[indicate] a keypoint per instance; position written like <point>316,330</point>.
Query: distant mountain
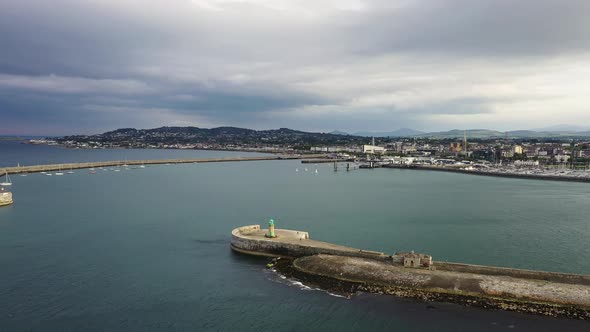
<point>472,133</point>
<point>486,133</point>
<point>563,128</point>
<point>402,132</point>
<point>338,132</point>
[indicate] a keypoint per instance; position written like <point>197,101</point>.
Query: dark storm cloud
<point>80,65</point>
<point>483,27</point>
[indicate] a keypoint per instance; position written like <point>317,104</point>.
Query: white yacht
<point>7,181</point>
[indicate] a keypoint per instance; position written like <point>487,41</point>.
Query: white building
<point>372,149</point>
<point>526,163</point>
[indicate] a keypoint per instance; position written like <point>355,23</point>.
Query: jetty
<point>345,269</point>
<point>115,163</point>
<point>484,172</point>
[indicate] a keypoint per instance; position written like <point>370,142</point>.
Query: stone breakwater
<point>349,270</point>
<point>550,177</point>
<point>115,163</point>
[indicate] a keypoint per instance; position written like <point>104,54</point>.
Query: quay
<point>323,161</point>
<point>67,166</point>
<point>548,177</point>
<point>349,270</point>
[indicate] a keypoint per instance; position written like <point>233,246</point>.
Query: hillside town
<point>477,152</point>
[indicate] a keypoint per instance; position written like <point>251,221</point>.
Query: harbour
<point>103,252</point>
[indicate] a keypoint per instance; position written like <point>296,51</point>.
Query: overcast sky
<point>87,66</point>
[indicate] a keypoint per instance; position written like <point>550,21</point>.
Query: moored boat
<point>7,181</point>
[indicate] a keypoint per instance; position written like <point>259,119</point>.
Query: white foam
<point>298,284</point>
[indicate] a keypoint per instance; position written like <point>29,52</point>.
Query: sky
<point>88,66</point>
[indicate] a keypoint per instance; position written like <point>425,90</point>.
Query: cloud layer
<point>70,66</point>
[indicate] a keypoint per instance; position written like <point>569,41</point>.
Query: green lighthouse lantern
<point>271,228</point>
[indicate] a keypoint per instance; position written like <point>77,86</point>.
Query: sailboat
<point>70,171</point>
<point>21,170</point>
<point>7,181</point>
<point>59,172</point>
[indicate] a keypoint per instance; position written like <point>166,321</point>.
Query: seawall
<point>484,173</point>
<point>338,273</point>
<point>67,166</point>
<point>289,243</point>
<point>346,269</point>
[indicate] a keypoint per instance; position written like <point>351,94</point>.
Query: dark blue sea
<point>148,249</point>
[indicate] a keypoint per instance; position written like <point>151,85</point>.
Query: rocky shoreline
<point>340,285</point>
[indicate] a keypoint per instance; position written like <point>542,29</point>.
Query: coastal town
<point>552,156</point>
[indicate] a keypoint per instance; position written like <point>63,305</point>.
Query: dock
<point>323,161</point>
<point>547,177</point>
<point>115,163</point>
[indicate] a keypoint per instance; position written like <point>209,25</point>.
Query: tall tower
<point>373,141</point>
<point>465,141</point>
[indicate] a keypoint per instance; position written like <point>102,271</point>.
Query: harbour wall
<point>67,166</point>
<point>563,278</point>
<point>483,173</point>
<point>248,240</point>
<point>286,247</point>
<point>346,269</point>
<point>349,274</point>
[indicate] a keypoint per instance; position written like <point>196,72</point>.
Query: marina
<point>532,174</point>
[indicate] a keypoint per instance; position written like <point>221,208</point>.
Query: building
<point>456,147</point>
<point>517,149</point>
<point>526,163</point>
<point>507,153</point>
<point>562,158</point>
<point>411,259</point>
<point>372,149</point>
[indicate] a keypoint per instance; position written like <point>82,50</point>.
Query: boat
<point>141,166</point>
<point>70,171</point>
<point>59,172</point>
<point>7,181</point>
<point>5,197</point>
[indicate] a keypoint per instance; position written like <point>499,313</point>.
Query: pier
<point>67,166</point>
<point>349,270</point>
<point>548,177</point>
<point>252,240</point>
